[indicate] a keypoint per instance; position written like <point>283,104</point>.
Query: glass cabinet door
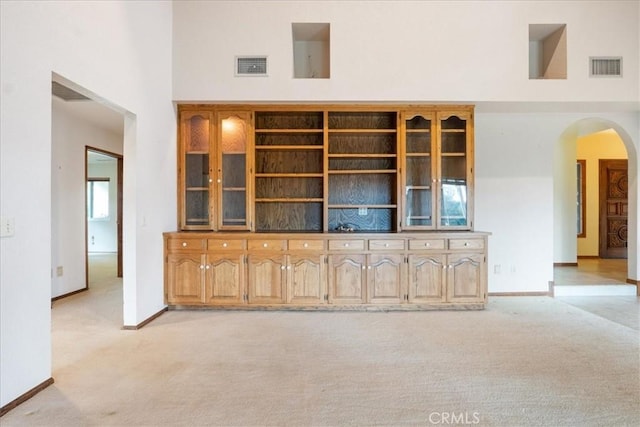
<point>195,174</point>
<point>419,172</point>
<point>232,180</point>
<point>454,172</point>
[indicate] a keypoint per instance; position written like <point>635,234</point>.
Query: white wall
<point>69,136</point>
<point>403,51</point>
<point>519,193</point>
<point>121,52</point>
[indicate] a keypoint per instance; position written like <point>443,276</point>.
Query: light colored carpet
<point>525,361</point>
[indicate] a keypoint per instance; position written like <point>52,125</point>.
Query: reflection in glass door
<point>453,173</point>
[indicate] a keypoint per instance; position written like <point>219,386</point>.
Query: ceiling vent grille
<point>608,66</point>
<point>251,66</point>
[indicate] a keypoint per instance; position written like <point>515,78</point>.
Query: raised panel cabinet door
<point>426,278</point>
<point>384,274</point>
<point>224,282</point>
<point>233,171</point>
<point>185,277</point>
<point>267,275</point>
<point>347,275</point>
<point>465,274</point>
<point>306,279</point>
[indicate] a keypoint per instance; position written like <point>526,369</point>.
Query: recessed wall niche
<point>547,51</point>
<point>311,50</point>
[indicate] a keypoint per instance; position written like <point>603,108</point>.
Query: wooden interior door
<point>613,208</point>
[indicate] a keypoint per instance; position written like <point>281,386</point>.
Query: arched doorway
<point>565,212</point>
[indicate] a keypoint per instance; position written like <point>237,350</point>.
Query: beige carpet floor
<point>524,361</point>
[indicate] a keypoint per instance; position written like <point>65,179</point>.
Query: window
<point>581,202</point>
<point>98,198</point>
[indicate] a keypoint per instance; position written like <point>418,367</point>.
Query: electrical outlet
<point>496,269</point>
<point>7,226</point>
<point>59,271</point>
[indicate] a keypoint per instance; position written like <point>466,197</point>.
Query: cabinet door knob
<point>184,244</point>
<point>202,267</point>
<point>369,267</point>
<point>288,267</point>
<point>363,267</point>
<point>207,266</point>
<point>219,180</point>
<point>282,267</point>
<point>210,180</point>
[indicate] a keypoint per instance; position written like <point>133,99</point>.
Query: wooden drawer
<point>427,244</point>
<point>381,245</point>
<point>225,245</point>
<point>185,244</point>
<point>466,243</point>
<point>267,245</point>
<point>306,245</point>
<point>346,245</point>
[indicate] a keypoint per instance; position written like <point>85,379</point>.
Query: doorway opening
<point>103,219</point>
<point>598,150</point>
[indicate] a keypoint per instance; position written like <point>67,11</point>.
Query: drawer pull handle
<point>264,245</point>
<point>386,245</point>
<point>346,245</point>
<point>305,245</point>
<point>224,245</point>
<point>466,243</point>
<point>427,244</point>
<point>184,244</point>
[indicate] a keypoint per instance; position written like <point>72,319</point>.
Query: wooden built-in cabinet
<point>325,206</point>
<point>330,271</point>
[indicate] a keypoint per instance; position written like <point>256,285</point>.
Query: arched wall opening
<point>564,183</point>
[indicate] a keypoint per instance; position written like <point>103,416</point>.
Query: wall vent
<point>251,65</point>
<point>605,66</point>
